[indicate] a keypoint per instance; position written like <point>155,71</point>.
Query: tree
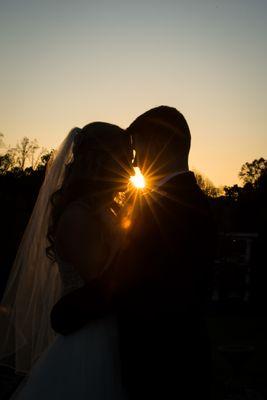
<point>44,159</point>
<point>25,154</point>
<point>25,150</point>
<point>233,192</point>
<point>6,163</point>
<point>251,172</point>
<point>206,185</point>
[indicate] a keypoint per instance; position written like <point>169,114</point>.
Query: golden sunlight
<point>138,180</point>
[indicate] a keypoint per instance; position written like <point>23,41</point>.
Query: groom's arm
<point>76,309</point>
<point>93,301</point>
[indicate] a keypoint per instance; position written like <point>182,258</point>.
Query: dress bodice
<point>107,225</point>
<point>70,277</point>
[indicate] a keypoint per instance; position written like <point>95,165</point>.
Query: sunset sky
<point>66,63</point>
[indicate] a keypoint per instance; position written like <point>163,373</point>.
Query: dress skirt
<point>84,365</point>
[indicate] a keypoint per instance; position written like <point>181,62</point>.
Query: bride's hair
<point>94,148</point>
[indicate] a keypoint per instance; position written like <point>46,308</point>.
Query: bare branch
<point>2,143</point>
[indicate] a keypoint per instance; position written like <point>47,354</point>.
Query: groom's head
<point>161,139</point>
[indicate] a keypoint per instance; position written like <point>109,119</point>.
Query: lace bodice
<point>70,277</point>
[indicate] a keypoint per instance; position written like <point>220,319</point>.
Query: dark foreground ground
<point>224,330</point>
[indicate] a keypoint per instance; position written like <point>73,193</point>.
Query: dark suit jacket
<point>164,343</point>
<point>169,249</point>
<point>158,288</point>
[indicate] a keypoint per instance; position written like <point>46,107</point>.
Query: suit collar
<point>169,177</point>
<point>183,180</point>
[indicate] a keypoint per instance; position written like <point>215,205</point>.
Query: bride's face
<point>118,166</point>
<point>113,163</point>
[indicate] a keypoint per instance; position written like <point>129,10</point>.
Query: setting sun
<point>138,179</point>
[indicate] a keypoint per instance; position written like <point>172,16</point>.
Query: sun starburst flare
<point>138,180</point>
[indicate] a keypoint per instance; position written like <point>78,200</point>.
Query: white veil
<point>34,283</point>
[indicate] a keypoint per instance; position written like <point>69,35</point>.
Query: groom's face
<point>148,149</point>
<point>120,164</point>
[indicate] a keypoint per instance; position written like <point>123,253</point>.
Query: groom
<point>162,278</point>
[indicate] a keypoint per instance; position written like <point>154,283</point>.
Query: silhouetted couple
<point>134,271</point>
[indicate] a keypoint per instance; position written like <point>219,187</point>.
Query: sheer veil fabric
<point>34,283</point>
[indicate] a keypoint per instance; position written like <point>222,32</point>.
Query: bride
<point>72,237</point>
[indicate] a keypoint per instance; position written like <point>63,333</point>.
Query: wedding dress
<point>82,365</point>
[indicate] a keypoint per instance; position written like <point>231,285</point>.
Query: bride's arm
<point>96,299</point>
<point>76,309</point>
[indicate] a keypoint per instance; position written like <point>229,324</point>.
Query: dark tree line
<point>22,170</point>
<point>244,208</point>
